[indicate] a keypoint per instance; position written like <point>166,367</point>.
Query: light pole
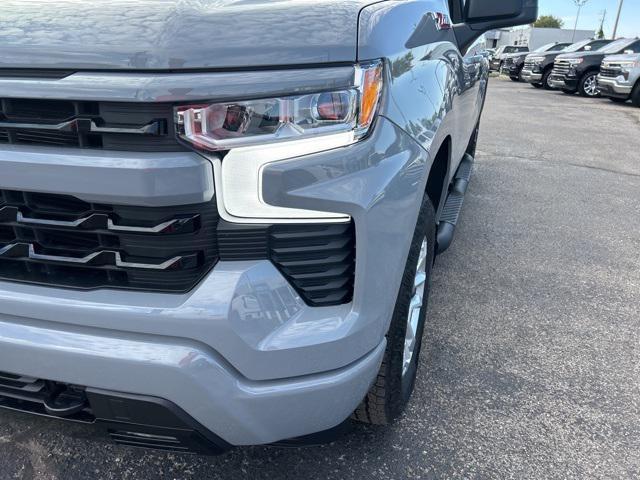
<point>579,4</point>
<point>615,28</point>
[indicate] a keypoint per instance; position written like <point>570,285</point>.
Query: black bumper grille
<point>318,260</point>
<point>87,124</point>
<point>130,420</point>
<point>58,240</point>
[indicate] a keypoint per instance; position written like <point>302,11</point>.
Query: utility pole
<point>579,4</point>
<point>615,28</point>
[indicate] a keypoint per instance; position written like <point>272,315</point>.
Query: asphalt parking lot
<point>531,366</point>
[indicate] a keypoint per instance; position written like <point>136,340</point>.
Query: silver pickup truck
<point>619,78</point>
<point>218,219</point>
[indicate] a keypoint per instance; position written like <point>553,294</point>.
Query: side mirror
<point>480,16</point>
<point>629,52</point>
<point>587,48</point>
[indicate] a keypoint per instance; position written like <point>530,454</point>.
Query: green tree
<point>600,34</point>
<point>548,21</point>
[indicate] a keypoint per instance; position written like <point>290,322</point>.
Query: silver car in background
<point>619,78</point>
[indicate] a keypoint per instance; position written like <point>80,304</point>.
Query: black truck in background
<point>538,66</point>
<point>578,72</point>
<point>513,64</point>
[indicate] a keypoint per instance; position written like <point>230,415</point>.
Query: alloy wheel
<point>415,308</point>
<point>591,86</point>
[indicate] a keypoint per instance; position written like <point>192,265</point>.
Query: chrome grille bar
<point>102,258</point>
<point>96,221</point>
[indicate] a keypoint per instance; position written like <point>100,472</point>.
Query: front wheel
<point>589,85</point>
<point>546,80</point>
<point>635,95</point>
<point>394,384</point>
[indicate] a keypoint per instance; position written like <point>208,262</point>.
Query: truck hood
<point>176,34</point>
<point>546,54</point>
<point>623,58</point>
<point>581,55</point>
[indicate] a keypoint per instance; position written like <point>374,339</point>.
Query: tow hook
<point>65,402</point>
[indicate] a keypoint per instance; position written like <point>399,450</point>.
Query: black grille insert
<point>62,241</point>
<point>610,72</point>
<point>88,124</point>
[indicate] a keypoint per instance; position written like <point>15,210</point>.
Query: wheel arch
<point>436,186</point>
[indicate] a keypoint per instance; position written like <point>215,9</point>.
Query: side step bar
<point>453,205</point>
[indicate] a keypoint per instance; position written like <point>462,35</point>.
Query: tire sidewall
<point>545,80</point>
<point>404,384</point>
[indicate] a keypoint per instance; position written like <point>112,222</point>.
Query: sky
<point>591,15</point>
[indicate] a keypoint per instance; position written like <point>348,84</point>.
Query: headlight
<point>228,125</point>
<point>629,65</point>
<point>575,61</point>
<point>536,60</point>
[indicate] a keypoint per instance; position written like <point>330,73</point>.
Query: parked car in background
<point>514,62</point>
<point>578,72</point>
<point>538,66</point>
<point>619,78</point>
<point>502,52</point>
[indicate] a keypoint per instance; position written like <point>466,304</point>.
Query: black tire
<point>568,92</point>
<point>515,79</point>
<point>618,100</point>
<point>582,86</point>
<point>391,391</point>
<point>537,85</point>
<point>545,79</point>
<point>635,96</point>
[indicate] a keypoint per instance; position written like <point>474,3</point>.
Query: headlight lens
<point>224,126</point>
<point>576,61</point>
<point>629,65</point>
<point>536,60</point>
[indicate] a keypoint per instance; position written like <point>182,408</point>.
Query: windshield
<point>515,49</point>
<point>544,48</point>
<point>577,46</point>
<point>616,46</point>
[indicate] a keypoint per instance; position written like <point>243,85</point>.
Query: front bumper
<point>512,70</point>
<point>531,77</point>
<point>250,374</point>
<point>189,375</point>
<point>563,82</point>
<point>614,87</point>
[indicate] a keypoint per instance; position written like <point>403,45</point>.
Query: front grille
<point>58,240</point>
<point>87,124</point>
<point>561,67</point>
<point>610,72</point>
<point>528,65</point>
<point>62,241</point>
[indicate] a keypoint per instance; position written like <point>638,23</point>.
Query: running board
<point>453,205</point>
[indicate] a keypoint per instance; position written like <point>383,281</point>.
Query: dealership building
<point>535,37</point>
